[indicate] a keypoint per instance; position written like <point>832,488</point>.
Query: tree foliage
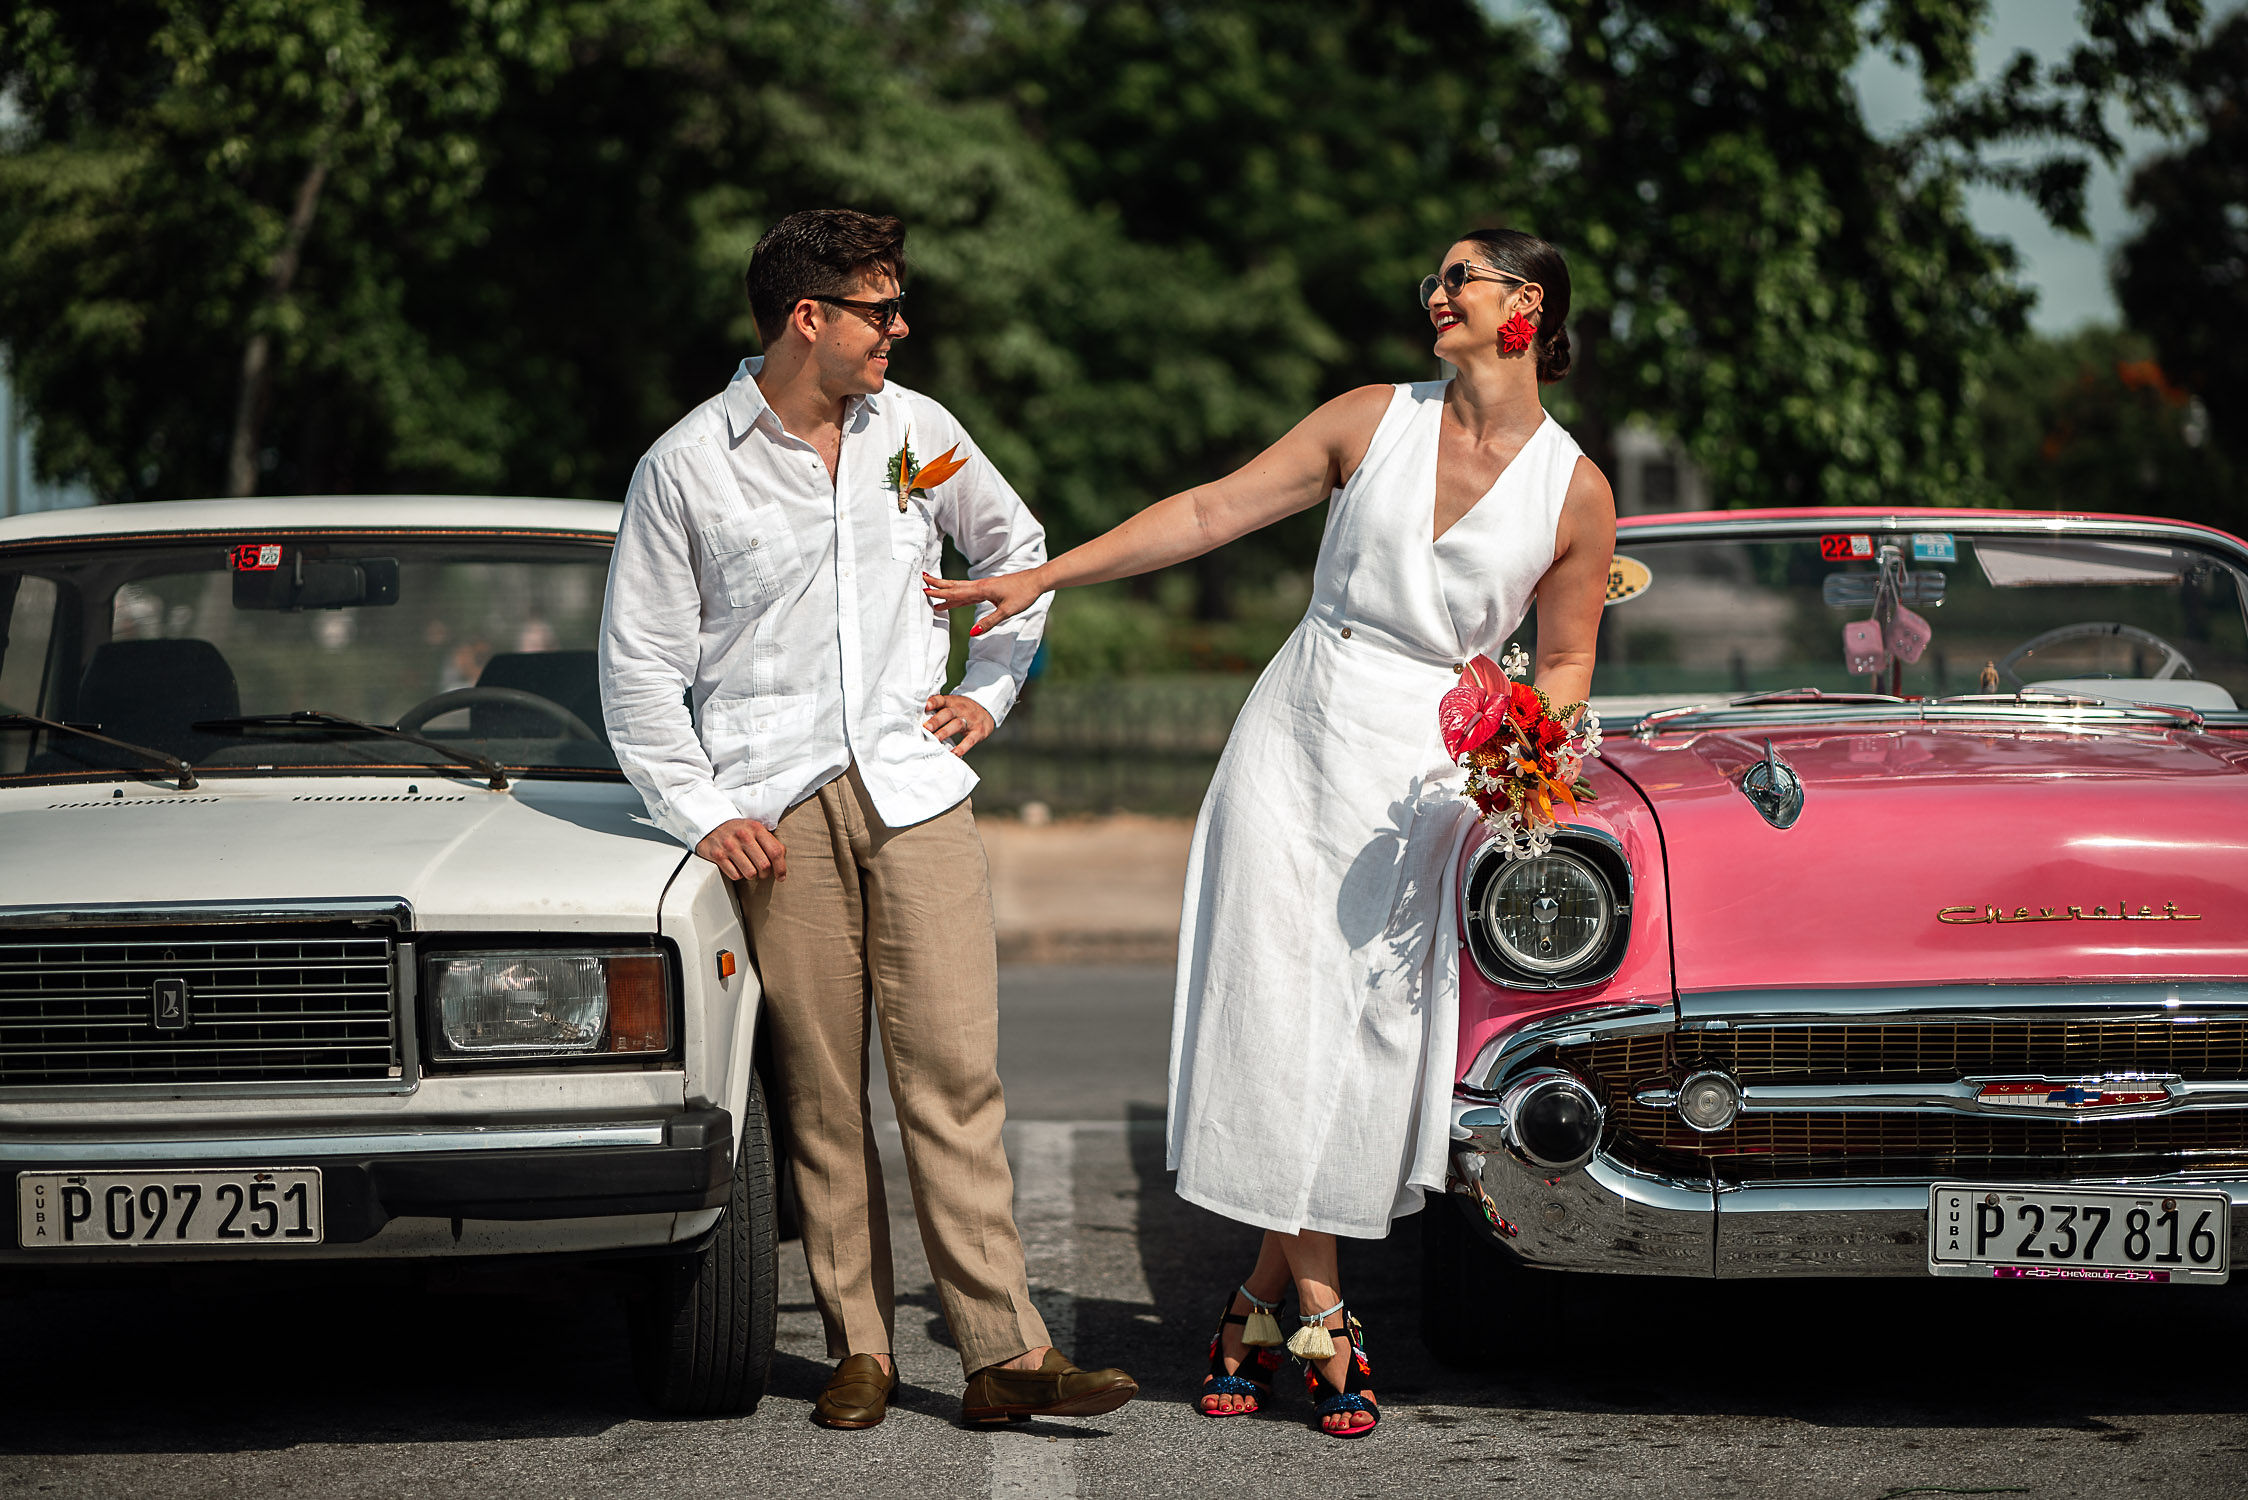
<point>2183,280</point>
<point>2091,421</point>
<point>1145,236</point>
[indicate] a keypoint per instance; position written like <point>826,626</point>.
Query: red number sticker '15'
<point>1835,547</point>
<point>259,557</point>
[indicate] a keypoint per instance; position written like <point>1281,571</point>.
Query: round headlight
<point>1548,913</point>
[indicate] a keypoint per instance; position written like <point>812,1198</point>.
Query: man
<point>769,565</point>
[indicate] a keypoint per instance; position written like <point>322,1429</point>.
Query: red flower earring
<point>1516,333</point>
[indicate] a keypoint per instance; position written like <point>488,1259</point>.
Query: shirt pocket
<point>914,537</point>
<point>746,555</point>
<point>752,738</point>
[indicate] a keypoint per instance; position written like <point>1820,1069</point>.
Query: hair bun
<point>1553,356</point>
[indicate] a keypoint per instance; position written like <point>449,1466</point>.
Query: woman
<point>1316,1017</point>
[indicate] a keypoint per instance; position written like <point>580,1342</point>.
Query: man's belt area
<point>677,1165</point>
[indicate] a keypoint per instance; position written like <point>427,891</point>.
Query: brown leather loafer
<point>857,1394</point>
<point>1056,1389</point>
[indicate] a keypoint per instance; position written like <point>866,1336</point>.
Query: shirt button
<point>755,543</point>
<point>1346,632</point>
<point>1459,666</point>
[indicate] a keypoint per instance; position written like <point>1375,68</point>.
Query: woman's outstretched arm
<point>1574,590</point>
<point>1292,475</point>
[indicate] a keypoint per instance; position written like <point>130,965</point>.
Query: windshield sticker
<point>1628,578</point>
<point>1846,546</point>
<point>257,557</point>
<point>1934,546</point>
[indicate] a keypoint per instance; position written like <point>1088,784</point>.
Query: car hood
<point>543,855</point>
<point>1943,855</point>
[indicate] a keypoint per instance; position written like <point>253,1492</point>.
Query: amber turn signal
<point>725,963</point>
<point>639,1010</point>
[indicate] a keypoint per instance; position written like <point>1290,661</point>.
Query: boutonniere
<point>908,478</point>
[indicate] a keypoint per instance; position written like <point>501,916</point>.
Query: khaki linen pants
<point>900,917</point>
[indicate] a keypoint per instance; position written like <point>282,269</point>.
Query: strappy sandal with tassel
<point>1260,1333</point>
<point>1314,1343</point>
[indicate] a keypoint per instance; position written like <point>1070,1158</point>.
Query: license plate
<point>105,1210</point>
<point>2073,1234</point>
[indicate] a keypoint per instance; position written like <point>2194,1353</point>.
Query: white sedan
<point>329,929</point>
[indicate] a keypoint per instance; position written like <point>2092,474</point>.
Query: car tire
<point>1477,1302</point>
<point>703,1324</point>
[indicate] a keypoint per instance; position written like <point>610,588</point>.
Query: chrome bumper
<point>1607,1217</point>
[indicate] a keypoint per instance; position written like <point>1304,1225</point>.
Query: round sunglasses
<point>1458,274</point>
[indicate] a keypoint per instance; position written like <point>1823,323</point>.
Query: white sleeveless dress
<point>1317,1011</point>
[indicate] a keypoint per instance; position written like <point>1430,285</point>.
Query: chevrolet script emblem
<point>168,1004</point>
<point>2074,1096</point>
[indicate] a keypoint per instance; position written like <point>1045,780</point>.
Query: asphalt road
<point>1866,1389</point>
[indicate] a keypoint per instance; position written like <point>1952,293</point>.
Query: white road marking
<point>1024,1465</point>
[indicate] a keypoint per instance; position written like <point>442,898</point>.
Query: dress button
<point>755,543</point>
<point>1459,666</point>
<point>1346,632</point>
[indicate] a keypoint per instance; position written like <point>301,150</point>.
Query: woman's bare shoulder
<point>1345,425</point>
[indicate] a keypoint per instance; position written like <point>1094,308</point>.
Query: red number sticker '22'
<point>1835,547</point>
<point>264,557</point>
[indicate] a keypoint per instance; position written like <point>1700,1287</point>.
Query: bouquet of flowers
<point>1521,754</point>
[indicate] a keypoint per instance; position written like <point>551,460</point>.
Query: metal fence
<point>1141,744</point>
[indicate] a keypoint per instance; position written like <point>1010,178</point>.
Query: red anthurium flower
<point>1473,711</point>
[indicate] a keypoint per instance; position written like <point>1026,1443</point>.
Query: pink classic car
<point>1908,934</point>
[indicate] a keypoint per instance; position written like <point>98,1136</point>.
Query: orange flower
<point>937,470</point>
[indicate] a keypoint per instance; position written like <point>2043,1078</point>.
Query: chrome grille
<point>297,1004</point>
<point>1795,1146</point>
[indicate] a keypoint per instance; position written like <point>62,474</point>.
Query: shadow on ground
<point>1841,1353</point>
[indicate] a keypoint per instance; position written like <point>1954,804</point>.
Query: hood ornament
<point>1773,789</point>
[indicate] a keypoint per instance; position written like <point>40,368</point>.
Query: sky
<point>2070,275</point>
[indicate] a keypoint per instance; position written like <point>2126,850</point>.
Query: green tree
<point>2090,422</point>
<point>2183,279</point>
<point>194,221</point>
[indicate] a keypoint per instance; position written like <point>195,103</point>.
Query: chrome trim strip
<point>1567,1029</point>
<point>1691,719</point>
<point>1953,1003</point>
<point>392,909</point>
<point>1633,531</point>
<point>1961,1098</point>
<point>236,1148</point>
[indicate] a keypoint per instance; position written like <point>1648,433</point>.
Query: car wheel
<point>702,1324</point>
<point>1478,1303</point>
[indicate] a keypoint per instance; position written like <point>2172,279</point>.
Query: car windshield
<point>202,648</point>
<point>1922,615</point>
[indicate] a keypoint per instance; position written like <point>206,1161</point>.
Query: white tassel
<point>1312,1342</point>
<point>1261,1331</point>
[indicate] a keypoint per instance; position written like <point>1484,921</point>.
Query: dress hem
<point>1257,1220</point>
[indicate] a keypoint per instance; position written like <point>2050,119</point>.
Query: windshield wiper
<point>173,763</point>
<point>321,719</point>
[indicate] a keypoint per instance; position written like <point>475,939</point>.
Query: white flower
<point>1515,662</point>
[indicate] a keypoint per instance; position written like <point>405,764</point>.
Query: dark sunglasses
<point>1458,274</point>
<point>883,315</point>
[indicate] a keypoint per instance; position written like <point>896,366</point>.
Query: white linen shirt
<point>788,606</point>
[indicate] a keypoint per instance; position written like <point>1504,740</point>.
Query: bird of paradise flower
<point>909,479</point>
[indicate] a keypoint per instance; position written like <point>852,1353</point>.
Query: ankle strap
<point>1308,1319</point>
<point>1258,1302</point>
